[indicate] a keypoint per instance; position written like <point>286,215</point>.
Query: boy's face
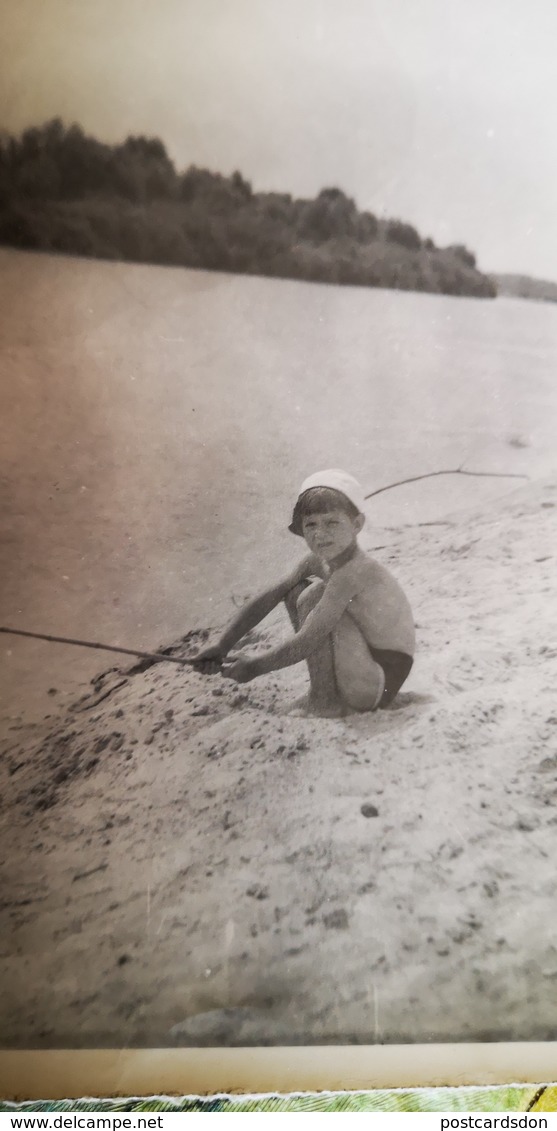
<point>331,533</point>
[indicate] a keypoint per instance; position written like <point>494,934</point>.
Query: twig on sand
<point>89,704</point>
<point>453,471</point>
<point>90,872</point>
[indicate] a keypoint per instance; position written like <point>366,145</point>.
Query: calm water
<point>159,421</point>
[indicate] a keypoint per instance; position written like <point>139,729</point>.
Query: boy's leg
<point>360,680</point>
<point>324,697</point>
<point>291,603</point>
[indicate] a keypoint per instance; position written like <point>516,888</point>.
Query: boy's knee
<point>310,595</point>
<point>292,597</point>
<point>301,599</point>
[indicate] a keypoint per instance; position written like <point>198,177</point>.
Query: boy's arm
<point>318,625</point>
<point>256,609</point>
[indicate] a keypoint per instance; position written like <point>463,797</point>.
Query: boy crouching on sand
<point>353,624</point>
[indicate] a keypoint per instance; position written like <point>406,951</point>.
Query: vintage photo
<point>278,622</point>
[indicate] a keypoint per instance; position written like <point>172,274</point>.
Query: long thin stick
<point>454,471</point>
<point>159,657</point>
<point>155,656</point>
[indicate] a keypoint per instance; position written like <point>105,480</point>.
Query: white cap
<point>337,480</point>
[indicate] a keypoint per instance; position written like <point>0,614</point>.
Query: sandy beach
<point>240,244</point>
<point>189,864</point>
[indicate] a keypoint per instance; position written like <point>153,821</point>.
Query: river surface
<point>157,423</point>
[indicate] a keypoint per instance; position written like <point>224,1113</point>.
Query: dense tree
<point>404,234</point>
<point>330,215</point>
<point>61,190</point>
<point>367,227</point>
<point>462,253</point>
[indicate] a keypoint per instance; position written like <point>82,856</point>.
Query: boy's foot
<point>298,709</point>
<point>317,708</point>
<point>325,708</point>
<point>326,711</point>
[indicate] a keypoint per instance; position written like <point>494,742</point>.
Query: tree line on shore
<point>63,191</point>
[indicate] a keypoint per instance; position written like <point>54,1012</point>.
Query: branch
<point>156,657</point>
<point>454,471</point>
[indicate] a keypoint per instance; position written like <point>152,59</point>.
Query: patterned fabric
<point>517,1098</point>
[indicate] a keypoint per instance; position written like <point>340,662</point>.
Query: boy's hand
<point>240,668</point>
<point>209,660</point>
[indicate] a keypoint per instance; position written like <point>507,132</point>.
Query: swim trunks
<point>397,667</point>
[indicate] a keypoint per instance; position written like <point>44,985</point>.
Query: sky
<point>438,112</point>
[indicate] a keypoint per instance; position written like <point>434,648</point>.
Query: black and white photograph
<point>278,491</point>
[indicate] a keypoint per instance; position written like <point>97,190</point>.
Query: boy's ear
<point>359,522</point>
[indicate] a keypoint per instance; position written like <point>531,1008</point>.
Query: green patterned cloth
<point>518,1098</point>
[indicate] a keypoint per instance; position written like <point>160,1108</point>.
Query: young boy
<point>353,624</point>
